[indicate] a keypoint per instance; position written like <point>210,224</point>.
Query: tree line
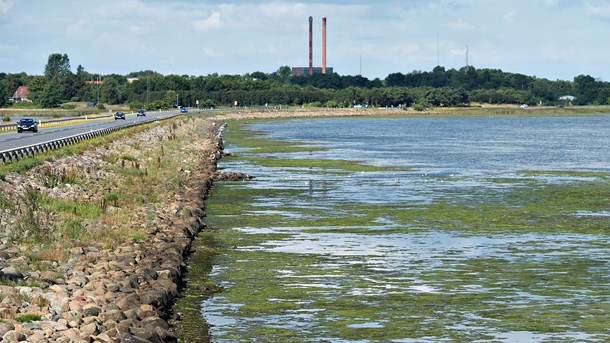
<point>439,87</point>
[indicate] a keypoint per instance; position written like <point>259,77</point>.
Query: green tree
<point>587,90</point>
<point>57,64</point>
<point>49,97</point>
<point>283,74</point>
<point>4,92</point>
<point>395,80</point>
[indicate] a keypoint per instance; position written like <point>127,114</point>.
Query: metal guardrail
<point>16,154</point>
<point>9,156</point>
<point>11,127</point>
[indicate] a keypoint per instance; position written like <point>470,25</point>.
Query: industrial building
<point>310,70</point>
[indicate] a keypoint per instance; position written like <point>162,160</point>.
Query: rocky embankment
<point>69,273</point>
<point>111,277</point>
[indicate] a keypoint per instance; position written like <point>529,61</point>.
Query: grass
<point>28,318</point>
<point>530,111</point>
<point>134,182</point>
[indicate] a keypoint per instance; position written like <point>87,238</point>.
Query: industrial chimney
<point>310,45</point>
<point>323,45</point>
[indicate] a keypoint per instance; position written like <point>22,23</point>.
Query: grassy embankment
<point>102,198</point>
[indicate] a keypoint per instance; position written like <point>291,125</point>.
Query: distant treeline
<point>439,87</point>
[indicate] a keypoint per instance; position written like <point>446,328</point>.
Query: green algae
<point>266,152</point>
<point>191,327</point>
<point>254,275</point>
<point>292,295</point>
<point>255,141</point>
<point>327,164</point>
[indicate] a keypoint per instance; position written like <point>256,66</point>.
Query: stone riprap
<point>119,287</point>
<point>71,291</point>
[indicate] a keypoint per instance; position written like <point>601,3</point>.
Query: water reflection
<point>388,282</point>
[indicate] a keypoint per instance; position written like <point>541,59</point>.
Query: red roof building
<point>21,94</point>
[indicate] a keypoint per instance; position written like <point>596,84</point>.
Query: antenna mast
<point>438,50</point>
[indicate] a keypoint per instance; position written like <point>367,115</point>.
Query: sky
<point>551,39</point>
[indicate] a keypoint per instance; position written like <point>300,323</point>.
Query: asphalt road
<point>12,139</point>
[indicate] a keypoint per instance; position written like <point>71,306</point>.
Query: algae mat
<point>341,250</point>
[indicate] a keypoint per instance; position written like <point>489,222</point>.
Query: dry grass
<point>108,198</point>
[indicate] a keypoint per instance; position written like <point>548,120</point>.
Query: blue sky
<point>553,39</point>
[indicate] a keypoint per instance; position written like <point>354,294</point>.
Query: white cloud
<point>601,11</point>
<point>509,17</point>
<point>211,52</point>
<point>460,25</point>
<point>561,53</point>
<point>6,5</point>
<point>212,22</point>
<point>458,51</point>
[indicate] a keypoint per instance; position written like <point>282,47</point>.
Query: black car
<point>119,115</point>
<point>141,113</point>
<point>27,124</point>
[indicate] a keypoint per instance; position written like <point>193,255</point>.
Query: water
<point>445,245</point>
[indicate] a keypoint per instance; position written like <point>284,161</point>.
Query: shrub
<point>208,103</point>
<point>112,197</point>
<point>135,105</point>
<point>128,158</point>
<point>6,203</point>
<point>137,237</point>
<point>25,105</point>
<point>313,104</point>
<point>420,107</point>
<point>73,229</point>
<point>331,104</point>
<point>28,318</point>
<point>30,225</point>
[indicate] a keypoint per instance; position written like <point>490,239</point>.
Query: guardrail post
<point>9,156</point>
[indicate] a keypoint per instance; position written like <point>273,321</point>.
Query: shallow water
<point>329,255</point>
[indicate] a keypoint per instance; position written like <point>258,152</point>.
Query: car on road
<point>141,112</point>
<point>119,115</point>
<point>183,110</point>
<point>27,124</point>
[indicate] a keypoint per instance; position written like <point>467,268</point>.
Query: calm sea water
<point>392,280</point>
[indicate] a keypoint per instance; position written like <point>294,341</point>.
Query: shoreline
<point>116,294</point>
<point>129,292</point>
<point>441,112</point>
